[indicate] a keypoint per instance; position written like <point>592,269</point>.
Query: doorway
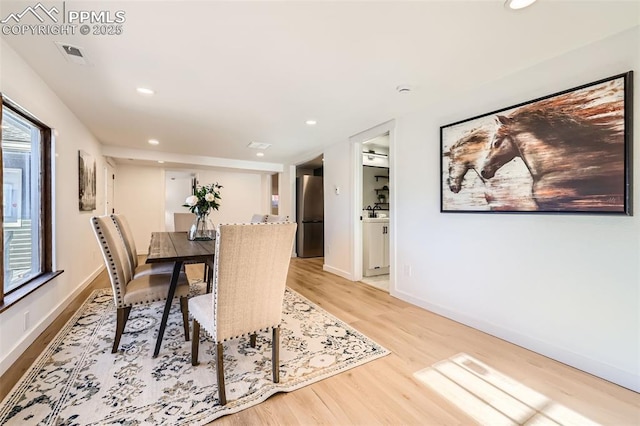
<point>109,179</point>
<point>310,208</point>
<point>275,197</point>
<point>374,196</point>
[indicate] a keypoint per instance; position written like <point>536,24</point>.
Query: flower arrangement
<point>204,198</point>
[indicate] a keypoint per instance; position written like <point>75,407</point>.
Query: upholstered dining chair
<point>250,271</point>
<point>182,221</point>
<point>272,218</point>
<point>137,270</point>
<point>258,218</point>
<point>129,291</point>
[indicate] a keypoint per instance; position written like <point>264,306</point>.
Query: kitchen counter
<point>375,219</point>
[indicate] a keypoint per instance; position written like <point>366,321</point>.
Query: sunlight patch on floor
<point>491,397</point>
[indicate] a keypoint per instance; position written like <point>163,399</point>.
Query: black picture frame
<point>568,152</point>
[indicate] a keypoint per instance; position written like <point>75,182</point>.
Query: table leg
<point>167,306</point>
<point>209,268</point>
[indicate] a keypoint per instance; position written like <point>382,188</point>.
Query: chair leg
<point>252,340</point>
<point>222,395</point>
<point>184,307</point>
<point>122,315</point>
<point>275,354</point>
<point>126,315</point>
<point>195,343</point>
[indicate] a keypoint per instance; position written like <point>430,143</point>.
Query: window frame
<point>45,224</point>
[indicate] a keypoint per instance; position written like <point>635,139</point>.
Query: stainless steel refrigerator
<point>310,216</point>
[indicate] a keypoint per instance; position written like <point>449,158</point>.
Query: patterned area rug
<point>78,381</point>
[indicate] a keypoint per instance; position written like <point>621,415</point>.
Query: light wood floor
<point>385,391</point>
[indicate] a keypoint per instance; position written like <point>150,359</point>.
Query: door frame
<point>356,201</point>
<point>109,188</point>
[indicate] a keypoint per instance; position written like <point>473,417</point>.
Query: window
<point>26,203</point>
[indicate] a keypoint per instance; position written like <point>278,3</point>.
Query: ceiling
<point>230,73</point>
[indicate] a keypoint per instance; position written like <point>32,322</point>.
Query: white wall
<point>566,286</point>
<point>243,195</point>
<point>140,196</point>
<point>76,249</point>
<point>265,190</point>
<point>177,189</point>
<point>339,209</point>
<point>287,192</point>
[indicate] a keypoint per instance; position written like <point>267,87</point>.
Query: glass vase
<point>202,228</point>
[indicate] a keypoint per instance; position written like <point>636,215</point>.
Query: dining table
<point>176,247</point>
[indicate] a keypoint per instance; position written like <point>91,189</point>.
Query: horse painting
<point>464,155</point>
<point>572,146</point>
<point>467,154</point>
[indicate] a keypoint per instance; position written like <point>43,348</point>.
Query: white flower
<point>209,197</point>
<point>191,200</point>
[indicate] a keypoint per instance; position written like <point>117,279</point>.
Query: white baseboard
<point>338,272</point>
<point>605,371</point>
<point>33,334</point>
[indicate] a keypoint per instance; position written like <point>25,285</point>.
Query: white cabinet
<point>375,246</point>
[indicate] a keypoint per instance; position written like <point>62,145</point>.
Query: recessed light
<point>311,122</point>
<point>260,154</point>
<point>518,4</point>
<point>145,91</point>
<point>154,142</point>
<point>161,161</point>
<point>403,88</point>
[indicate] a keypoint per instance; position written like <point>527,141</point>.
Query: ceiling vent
<point>258,145</point>
<point>72,53</point>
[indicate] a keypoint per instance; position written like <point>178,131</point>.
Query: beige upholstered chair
<point>250,272</point>
<point>182,221</point>
<point>137,270</point>
<point>128,291</point>
<point>272,218</point>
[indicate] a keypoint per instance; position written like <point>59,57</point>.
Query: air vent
<point>72,53</point>
<point>258,145</point>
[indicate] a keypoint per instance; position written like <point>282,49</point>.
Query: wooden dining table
<point>176,247</point>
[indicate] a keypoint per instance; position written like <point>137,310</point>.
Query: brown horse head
<point>502,148</point>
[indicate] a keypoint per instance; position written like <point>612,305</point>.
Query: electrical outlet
<point>25,326</point>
